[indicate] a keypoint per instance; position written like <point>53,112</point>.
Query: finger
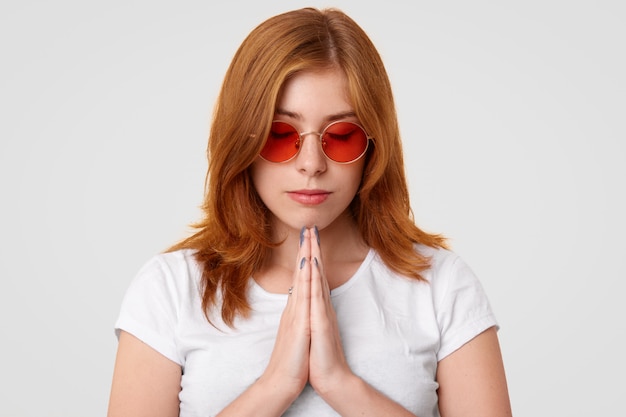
<point>301,287</point>
<point>317,264</point>
<point>303,252</point>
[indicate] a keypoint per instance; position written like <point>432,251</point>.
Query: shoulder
<point>445,264</point>
<point>163,285</point>
<point>444,267</point>
<point>440,258</point>
<point>160,291</point>
<point>168,271</point>
<point>447,276</point>
<point>442,263</point>
<point>461,303</point>
<point>171,263</point>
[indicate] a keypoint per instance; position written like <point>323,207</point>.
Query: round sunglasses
<point>342,142</point>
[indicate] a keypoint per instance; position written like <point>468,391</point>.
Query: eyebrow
<point>330,118</point>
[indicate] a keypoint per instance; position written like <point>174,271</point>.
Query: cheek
<point>263,178</point>
<point>355,175</point>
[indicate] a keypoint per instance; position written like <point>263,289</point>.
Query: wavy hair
<point>233,238</point>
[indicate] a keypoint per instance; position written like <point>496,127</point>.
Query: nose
<point>311,159</point>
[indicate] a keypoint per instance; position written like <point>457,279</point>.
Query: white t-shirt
<point>394,330</point>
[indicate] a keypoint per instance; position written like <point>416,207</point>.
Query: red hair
<point>233,238</point>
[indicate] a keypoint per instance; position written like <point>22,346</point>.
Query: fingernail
<point>315,262</point>
<point>302,234</point>
<point>302,261</point>
<point>317,234</point>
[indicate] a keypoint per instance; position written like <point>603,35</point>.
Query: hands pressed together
<point>308,346</point>
<point>308,349</point>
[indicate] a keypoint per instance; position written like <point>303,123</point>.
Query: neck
<point>341,244</point>
<point>336,240</point>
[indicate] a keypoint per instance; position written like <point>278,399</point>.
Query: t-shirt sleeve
<point>149,309</point>
<point>463,310</point>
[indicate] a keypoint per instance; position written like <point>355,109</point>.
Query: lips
<point>309,197</point>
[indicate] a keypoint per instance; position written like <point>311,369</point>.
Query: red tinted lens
<point>282,143</point>
<point>344,141</point>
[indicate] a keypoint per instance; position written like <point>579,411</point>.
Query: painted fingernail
<point>302,261</point>
<point>316,263</point>
<point>302,234</point>
<point>317,234</point>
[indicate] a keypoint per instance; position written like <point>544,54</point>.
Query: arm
<point>145,383</point>
<point>472,381</point>
<point>329,373</point>
<point>288,368</point>
<point>354,397</point>
<point>286,373</point>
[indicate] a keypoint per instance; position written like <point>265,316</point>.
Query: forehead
<point>315,92</point>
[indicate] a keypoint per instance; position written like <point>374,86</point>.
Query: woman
<point>307,288</point>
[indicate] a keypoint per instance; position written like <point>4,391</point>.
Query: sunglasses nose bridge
<point>302,135</point>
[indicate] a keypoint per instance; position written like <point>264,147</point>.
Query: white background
<point>512,116</point>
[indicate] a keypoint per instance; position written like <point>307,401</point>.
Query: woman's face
<point>310,189</point>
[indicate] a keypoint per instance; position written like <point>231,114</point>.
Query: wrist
<point>280,388</point>
<point>338,385</point>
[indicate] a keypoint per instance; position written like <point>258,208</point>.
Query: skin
<point>310,101</point>
<point>322,248</point>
